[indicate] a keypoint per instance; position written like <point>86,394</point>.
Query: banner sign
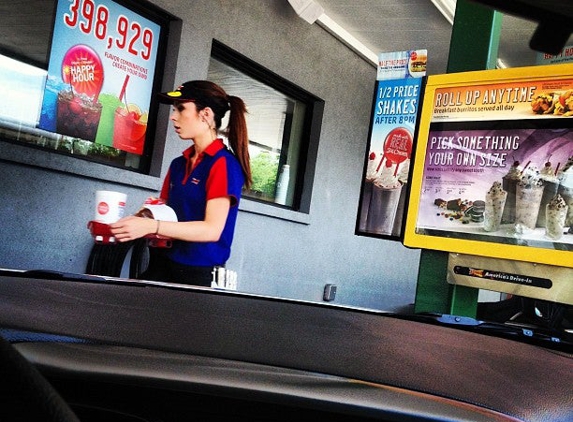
<point>402,64</point>
<point>564,56</point>
<point>533,280</point>
<point>505,101</point>
<point>497,165</point>
<point>100,74</point>
<point>386,173</point>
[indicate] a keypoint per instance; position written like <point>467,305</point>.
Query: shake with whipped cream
<point>528,194</point>
<point>510,181</point>
<point>566,190</point>
<point>555,215</point>
<point>495,200</point>
<point>367,192</point>
<point>551,183</point>
<point>384,202</point>
<point>403,177</point>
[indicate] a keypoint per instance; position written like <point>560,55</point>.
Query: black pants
<point>162,268</point>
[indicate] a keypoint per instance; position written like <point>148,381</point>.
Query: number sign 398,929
<point>92,18</point>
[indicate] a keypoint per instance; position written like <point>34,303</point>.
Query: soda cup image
<point>77,115</point>
<point>130,125</point>
<point>104,134</point>
<point>50,103</point>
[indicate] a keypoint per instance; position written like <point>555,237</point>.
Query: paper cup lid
<point>162,212</point>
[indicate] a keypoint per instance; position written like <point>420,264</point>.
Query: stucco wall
<point>44,211</point>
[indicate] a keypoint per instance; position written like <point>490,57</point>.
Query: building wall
<point>44,208</point>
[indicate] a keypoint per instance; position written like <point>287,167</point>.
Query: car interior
<point>173,351</point>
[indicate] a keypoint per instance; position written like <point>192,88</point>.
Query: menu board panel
<point>493,170</point>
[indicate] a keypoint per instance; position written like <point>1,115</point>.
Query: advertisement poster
<point>402,64</point>
<point>100,74</point>
<point>498,165</point>
<point>526,279</point>
<point>565,56</point>
<point>386,173</point>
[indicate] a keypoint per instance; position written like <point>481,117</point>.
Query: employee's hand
<point>131,228</point>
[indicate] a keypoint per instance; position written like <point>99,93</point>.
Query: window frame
<point>306,159</point>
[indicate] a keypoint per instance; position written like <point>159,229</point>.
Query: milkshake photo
<point>403,177</point>
<point>551,183</point>
<point>384,201</point>
<point>528,196</point>
<point>494,206</point>
<point>367,193</point>
<point>510,181</point>
<point>566,190</point>
<point>555,215</point>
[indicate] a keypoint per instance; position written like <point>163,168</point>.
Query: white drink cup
<point>109,206</point>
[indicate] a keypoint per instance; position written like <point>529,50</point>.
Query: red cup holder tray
<point>102,234</point>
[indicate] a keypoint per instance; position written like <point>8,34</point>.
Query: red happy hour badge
<point>83,70</point>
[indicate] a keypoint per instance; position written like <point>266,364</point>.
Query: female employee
<point>203,186</point>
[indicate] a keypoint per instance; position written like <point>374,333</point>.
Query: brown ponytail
<point>238,136</point>
<point>209,94</point>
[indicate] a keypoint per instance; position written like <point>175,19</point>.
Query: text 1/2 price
<point>93,19</point>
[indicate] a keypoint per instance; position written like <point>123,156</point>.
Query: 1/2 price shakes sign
<point>100,74</point>
<point>393,122</point>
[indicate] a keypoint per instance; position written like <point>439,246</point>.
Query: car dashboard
<point>130,350</point>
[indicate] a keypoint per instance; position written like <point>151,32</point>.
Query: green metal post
<point>475,38</point>
<point>473,46</point>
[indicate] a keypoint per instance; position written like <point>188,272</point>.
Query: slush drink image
<point>50,104</point>
<point>129,129</point>
<point>78,115</point>
<point>104,134</point>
